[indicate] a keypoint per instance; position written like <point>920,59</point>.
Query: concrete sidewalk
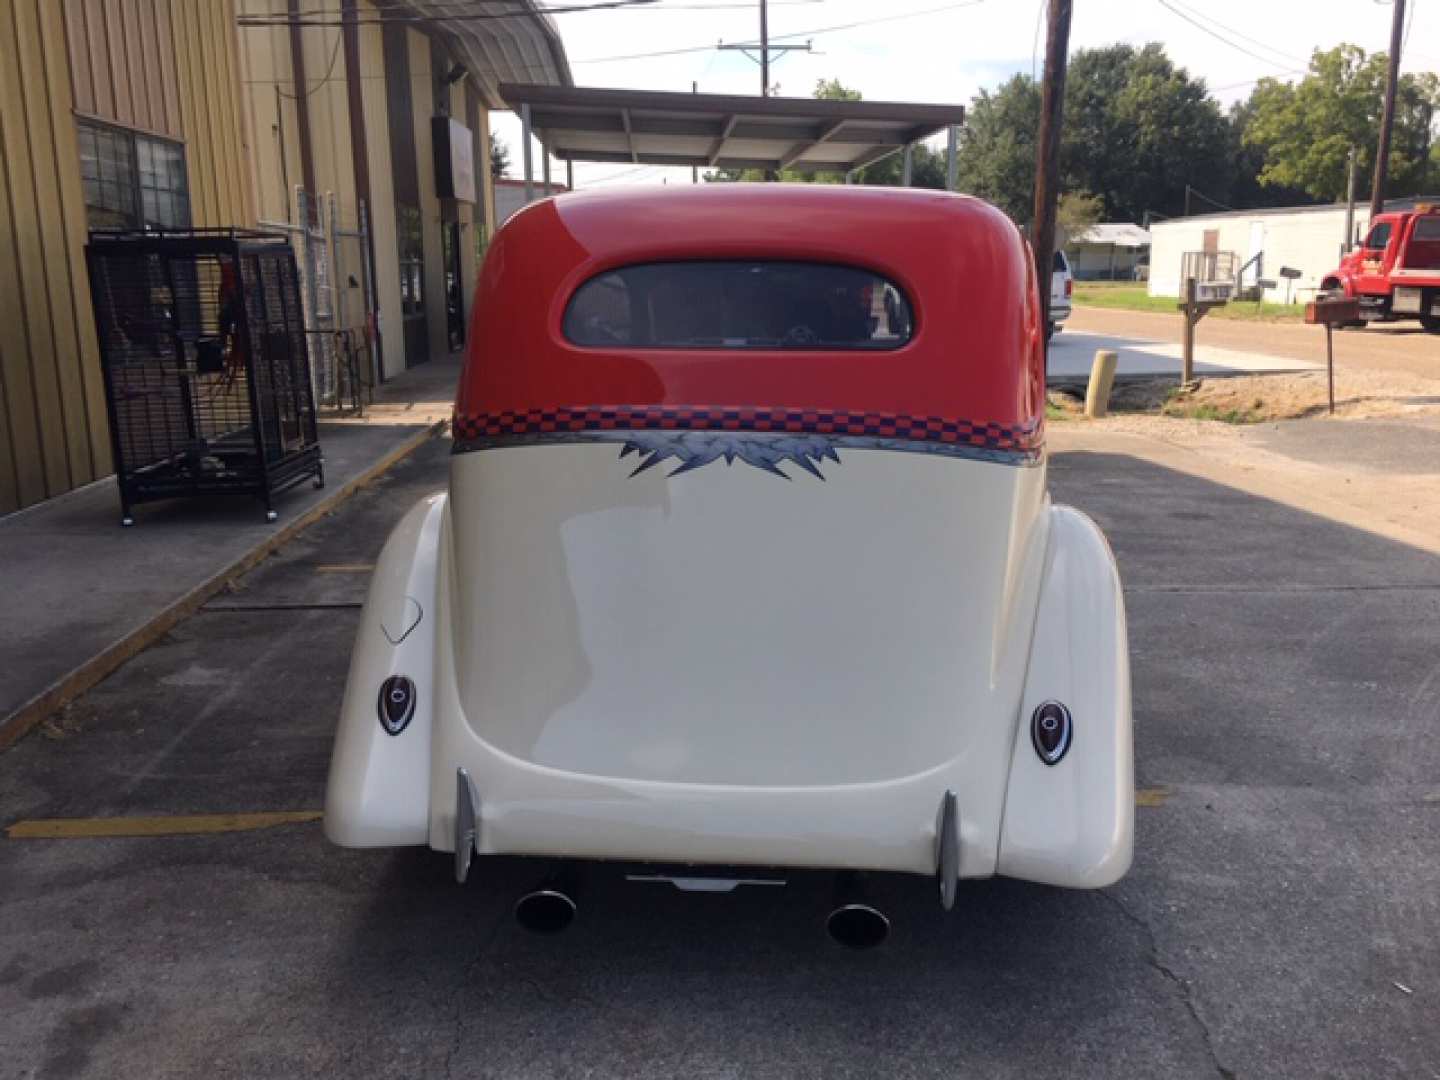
<point>82,594</point>
<point>1072,351</point>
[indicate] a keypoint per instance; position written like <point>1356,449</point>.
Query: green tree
<point>1248,192</point>
<point>997,146</point>
<point>499,157</point>
<point>1077,211</point>
<point>1137,129</point>
<point>834,90</point>
<point>1306,130</point>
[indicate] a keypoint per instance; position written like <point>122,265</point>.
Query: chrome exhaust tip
<point>858,926</point>
<point>545,911</point>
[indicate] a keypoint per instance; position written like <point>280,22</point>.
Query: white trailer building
<point>1308,239</point>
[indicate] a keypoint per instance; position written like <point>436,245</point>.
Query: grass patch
<point>1225,401</point>
<point>1134,297</point>
<point>1187,405</point>
<point>1204,411</point>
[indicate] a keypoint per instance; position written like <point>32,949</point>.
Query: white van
<point>1062,284</point>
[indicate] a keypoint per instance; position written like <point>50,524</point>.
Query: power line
<point>399,16</point>
<point>1196,191</point>
<point>1218,36</point>
<point>753,44</point>
<point>872,22</point>
<point>384,19</point>
<point>1035,42</point>
<point>329,71</point>
<point>1242,36</point>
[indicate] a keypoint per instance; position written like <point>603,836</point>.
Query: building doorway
<point>454,284</point>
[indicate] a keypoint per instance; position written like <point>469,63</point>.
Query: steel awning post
<point>529,164</point>
<point>545,167</point>
<point>907,170</point>
<point>952,159</point>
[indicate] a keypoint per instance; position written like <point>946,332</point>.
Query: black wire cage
<point>207,378</point>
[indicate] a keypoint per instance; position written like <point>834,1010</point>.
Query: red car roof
<point>975,360</point>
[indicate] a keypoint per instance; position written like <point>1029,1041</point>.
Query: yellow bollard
<point>1102,378</point>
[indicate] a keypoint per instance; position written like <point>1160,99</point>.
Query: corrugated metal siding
<point>169,67</point>
<point>121,69</point>
<point>54,435</point>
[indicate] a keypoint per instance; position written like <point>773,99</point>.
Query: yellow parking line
<point>177,825</point>
<point>345,568</point>
<point>199,824</point>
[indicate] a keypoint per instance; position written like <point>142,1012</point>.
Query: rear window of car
<point>740,305</point>
<point>1428,228</point>
<point>1060,266</point>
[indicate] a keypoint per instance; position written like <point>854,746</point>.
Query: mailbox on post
<point>1331,312</point>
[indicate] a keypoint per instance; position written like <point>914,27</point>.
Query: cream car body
<point>839,666</point>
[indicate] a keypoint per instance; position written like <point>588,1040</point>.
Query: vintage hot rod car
<point>747,560</point>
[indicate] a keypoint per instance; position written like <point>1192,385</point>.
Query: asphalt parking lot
<point>1280,919</point>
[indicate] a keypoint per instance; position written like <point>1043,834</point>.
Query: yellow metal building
<point>341,101</point>
<point>111,114</point>
<point>286,114</point>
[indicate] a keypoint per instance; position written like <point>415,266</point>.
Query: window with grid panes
<point>132,180</point>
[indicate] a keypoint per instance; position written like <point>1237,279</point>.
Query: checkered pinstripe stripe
<point>1019,439</point>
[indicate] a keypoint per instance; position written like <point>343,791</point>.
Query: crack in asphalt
<point>481,949</point>
<point>1187,997</point>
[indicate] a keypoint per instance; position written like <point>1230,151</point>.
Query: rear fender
<point>1072,823</point>
<point>378,793</point>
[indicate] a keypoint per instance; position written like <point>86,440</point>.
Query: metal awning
<point>721,130</point>
<point>499,41</point>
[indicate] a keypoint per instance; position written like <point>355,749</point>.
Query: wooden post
<point>1102,379</point>
<point>1387,120</point>
<point>1047,151</point>
<point>1187,358</point>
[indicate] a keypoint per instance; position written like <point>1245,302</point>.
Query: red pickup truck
<point>1395,274</point>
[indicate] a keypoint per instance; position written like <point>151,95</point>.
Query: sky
<point>934,51</point>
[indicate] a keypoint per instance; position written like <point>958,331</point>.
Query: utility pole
<point>1350,205</point>
<point>1047,157</point>
<point>764,59</point>
<point>1387,120</point>
<point>765,50</point>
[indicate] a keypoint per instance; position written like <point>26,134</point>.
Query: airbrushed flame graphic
<point>696,448</point>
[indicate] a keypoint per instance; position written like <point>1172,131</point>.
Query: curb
<point>71,685</point>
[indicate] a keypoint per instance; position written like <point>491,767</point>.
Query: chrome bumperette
<point>467,824</point>
<point>947,849</point>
